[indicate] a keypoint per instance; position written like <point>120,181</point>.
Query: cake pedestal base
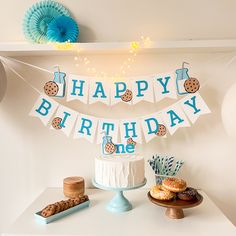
<point>119,202</point>
<point>175,207</point>
<point>175,213</point>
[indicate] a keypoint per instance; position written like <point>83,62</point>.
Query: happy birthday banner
<point>89,90</point>
<point>68,121</point>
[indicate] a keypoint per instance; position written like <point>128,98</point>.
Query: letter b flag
<point>44,108</point>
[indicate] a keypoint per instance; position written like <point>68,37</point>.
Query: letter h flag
<point>78,88</point>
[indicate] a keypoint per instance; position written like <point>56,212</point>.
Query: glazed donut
<point>174,184</point>
<point>188,195</point>
<point>160,193</point>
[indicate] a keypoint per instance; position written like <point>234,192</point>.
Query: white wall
<point>34,157</point>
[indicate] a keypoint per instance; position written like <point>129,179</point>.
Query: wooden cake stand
<point>175,207</point>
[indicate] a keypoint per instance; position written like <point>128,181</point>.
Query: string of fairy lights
<point>125,66</point>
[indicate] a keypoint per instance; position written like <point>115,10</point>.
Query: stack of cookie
<point>57,207</point>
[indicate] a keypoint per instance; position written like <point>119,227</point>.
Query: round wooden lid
<point>73,180</point>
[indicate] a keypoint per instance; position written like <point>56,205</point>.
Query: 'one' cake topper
<point>109,148</point>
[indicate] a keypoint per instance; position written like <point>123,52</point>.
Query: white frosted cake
<point>119,171</point>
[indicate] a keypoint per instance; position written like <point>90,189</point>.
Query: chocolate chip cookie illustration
<point>127,96</point>
<point>191,85</point>
<point>161,130</point>
<point>131,141</point>
<point>56,123</point>
<point>110,148</point>
<point>51,88</point>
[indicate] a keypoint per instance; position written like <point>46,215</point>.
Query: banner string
<point>90,77</point>
<point>21,77</point>
<point>27,64</point>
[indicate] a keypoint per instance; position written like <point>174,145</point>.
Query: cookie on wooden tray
<point>161,130</point>
<point>127,96</point>
<point>110,148</point>
<point>51,88</point>
<point>56,123</point>
<point>191,85</point>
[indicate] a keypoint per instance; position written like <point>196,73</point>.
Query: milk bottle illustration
<point>59,79</point>
<point>182,76</point>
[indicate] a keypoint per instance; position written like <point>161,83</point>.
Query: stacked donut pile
<point>173,188</point>
<point>57,207</point>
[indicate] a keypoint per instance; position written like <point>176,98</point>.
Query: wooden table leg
<point>175,213</point>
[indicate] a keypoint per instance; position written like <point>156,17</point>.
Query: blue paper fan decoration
<point>38,17</point>
<point>63,29</point>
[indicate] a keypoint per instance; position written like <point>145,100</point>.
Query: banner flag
<point>143,90</point>
<point>86,127</point>
<point>110,127</point>
<point>165,86</point>
<point>78,88</point>
<point>99,92</point>
<point>121,92</point>
<point>174,118</point>
<point>130,128</point>
<point>194,106</point>
<point>151,124</point>
<point>44,108</point>
<point>67,118</point>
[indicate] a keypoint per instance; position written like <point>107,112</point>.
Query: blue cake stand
<point>119,202</point>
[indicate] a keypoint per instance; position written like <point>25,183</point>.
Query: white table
<point>145,219</point>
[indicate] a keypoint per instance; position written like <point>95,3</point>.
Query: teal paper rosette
<point>63,29</point>
<point>38,17</point>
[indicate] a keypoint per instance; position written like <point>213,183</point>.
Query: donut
<point>174,184</point>
<point>160,193</point>
<point>188,195</point>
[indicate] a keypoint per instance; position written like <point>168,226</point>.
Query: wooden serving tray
<point>62,214</point>
<point>175,207</point>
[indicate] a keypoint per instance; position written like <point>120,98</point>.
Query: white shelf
<point>196,46</point>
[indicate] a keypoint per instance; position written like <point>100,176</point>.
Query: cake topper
<point>109,148</point>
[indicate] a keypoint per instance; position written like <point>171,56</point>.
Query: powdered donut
<point>160,193</point>
<point>174,184</point>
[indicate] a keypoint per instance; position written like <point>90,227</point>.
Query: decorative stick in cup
<point>164,167</point>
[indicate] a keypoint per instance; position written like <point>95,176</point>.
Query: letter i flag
<point>66,119</point>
